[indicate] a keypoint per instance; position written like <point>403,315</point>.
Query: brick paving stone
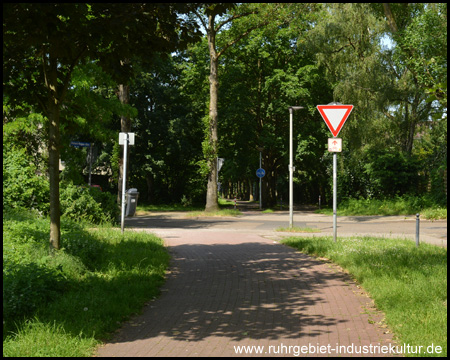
<point>225,290</point>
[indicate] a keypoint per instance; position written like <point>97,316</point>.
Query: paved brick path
<point>227,290</point>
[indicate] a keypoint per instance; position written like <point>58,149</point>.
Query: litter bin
<point>131,201</point>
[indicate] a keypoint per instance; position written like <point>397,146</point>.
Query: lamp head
<point>292,108</point>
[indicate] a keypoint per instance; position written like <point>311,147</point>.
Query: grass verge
<point>406,205</point>
<point>143,209</point>
<point>222,212</point>
<point>408,284</point>
<point>66,304</point>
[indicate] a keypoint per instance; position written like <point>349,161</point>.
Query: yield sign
<point>335,116</point>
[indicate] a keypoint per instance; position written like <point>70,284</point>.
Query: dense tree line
<point>93,70</point>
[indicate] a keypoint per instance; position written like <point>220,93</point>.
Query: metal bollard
<point>235,203</point>
<point>417,229</point>
<point>319,202</point>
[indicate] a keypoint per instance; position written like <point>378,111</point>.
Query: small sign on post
<point>122,137</point>
<point>335,145</point>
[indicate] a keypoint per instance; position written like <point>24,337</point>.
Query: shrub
<point>26,286</point>
<point>392,172</point>
<point>22,187</point>
<point>92,205</point>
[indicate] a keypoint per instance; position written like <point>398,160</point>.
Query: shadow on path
<point>247,290</point>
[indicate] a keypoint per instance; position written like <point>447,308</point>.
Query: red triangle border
<point>336,131</point>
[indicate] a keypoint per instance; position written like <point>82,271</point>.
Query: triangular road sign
<point>335,116</point>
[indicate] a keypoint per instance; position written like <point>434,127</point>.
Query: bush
<point>88,204</point>
<point>32,277</point>
<point>392,172</point>
<point>22,187</point>
<point>26,286</point>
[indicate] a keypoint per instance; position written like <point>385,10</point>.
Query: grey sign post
<point>291,167</point>
<point>125,139</point>
<point>260,173</point>
<point>335,115</point>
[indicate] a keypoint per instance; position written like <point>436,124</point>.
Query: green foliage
<point>163,162</point>
<point>78,245</point>
<point>398,205</point>
<point>22,187</point>
<point>91,205</point>
<point>27,287</point>
<point>74,162</point>
<point>24,132</point>
<point>379,173</point>
<point>422,46</point>
<point>390,173</point>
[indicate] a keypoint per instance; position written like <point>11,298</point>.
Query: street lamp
<point>291,168</point>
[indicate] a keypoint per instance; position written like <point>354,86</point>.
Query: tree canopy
<point>43,43</point>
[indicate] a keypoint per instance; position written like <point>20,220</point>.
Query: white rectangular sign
<point>122,138</point>
<point>335,145</point>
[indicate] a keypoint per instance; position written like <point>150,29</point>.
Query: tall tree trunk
<point>53,170</point>
<point>212,141</point>
<point>211,152</point>
<point>123,94</point>
<point>51,80</point>
<point>57,91</point>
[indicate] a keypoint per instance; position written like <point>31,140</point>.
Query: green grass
<point>296,229</point>
<point>41,339</point>
<point>408,284</point>
<point>226,208</point>
<point>221,212</point>
<point>166,208</point>
<point>99,279</point>
<point>406,205</point>
<point>144,208</point>
<point>268,211</point>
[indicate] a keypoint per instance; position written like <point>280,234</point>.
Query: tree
<point>43,43</point>
<point>169,131</point>
<point>261,76</point>
<point>388,62</point>
<point>216,18</point>
<point>164,32</point>
<point>420,31</point>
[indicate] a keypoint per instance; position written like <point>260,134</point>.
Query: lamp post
<point>291,167</point>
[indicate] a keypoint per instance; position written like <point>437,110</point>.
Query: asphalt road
<point>255,222</point>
